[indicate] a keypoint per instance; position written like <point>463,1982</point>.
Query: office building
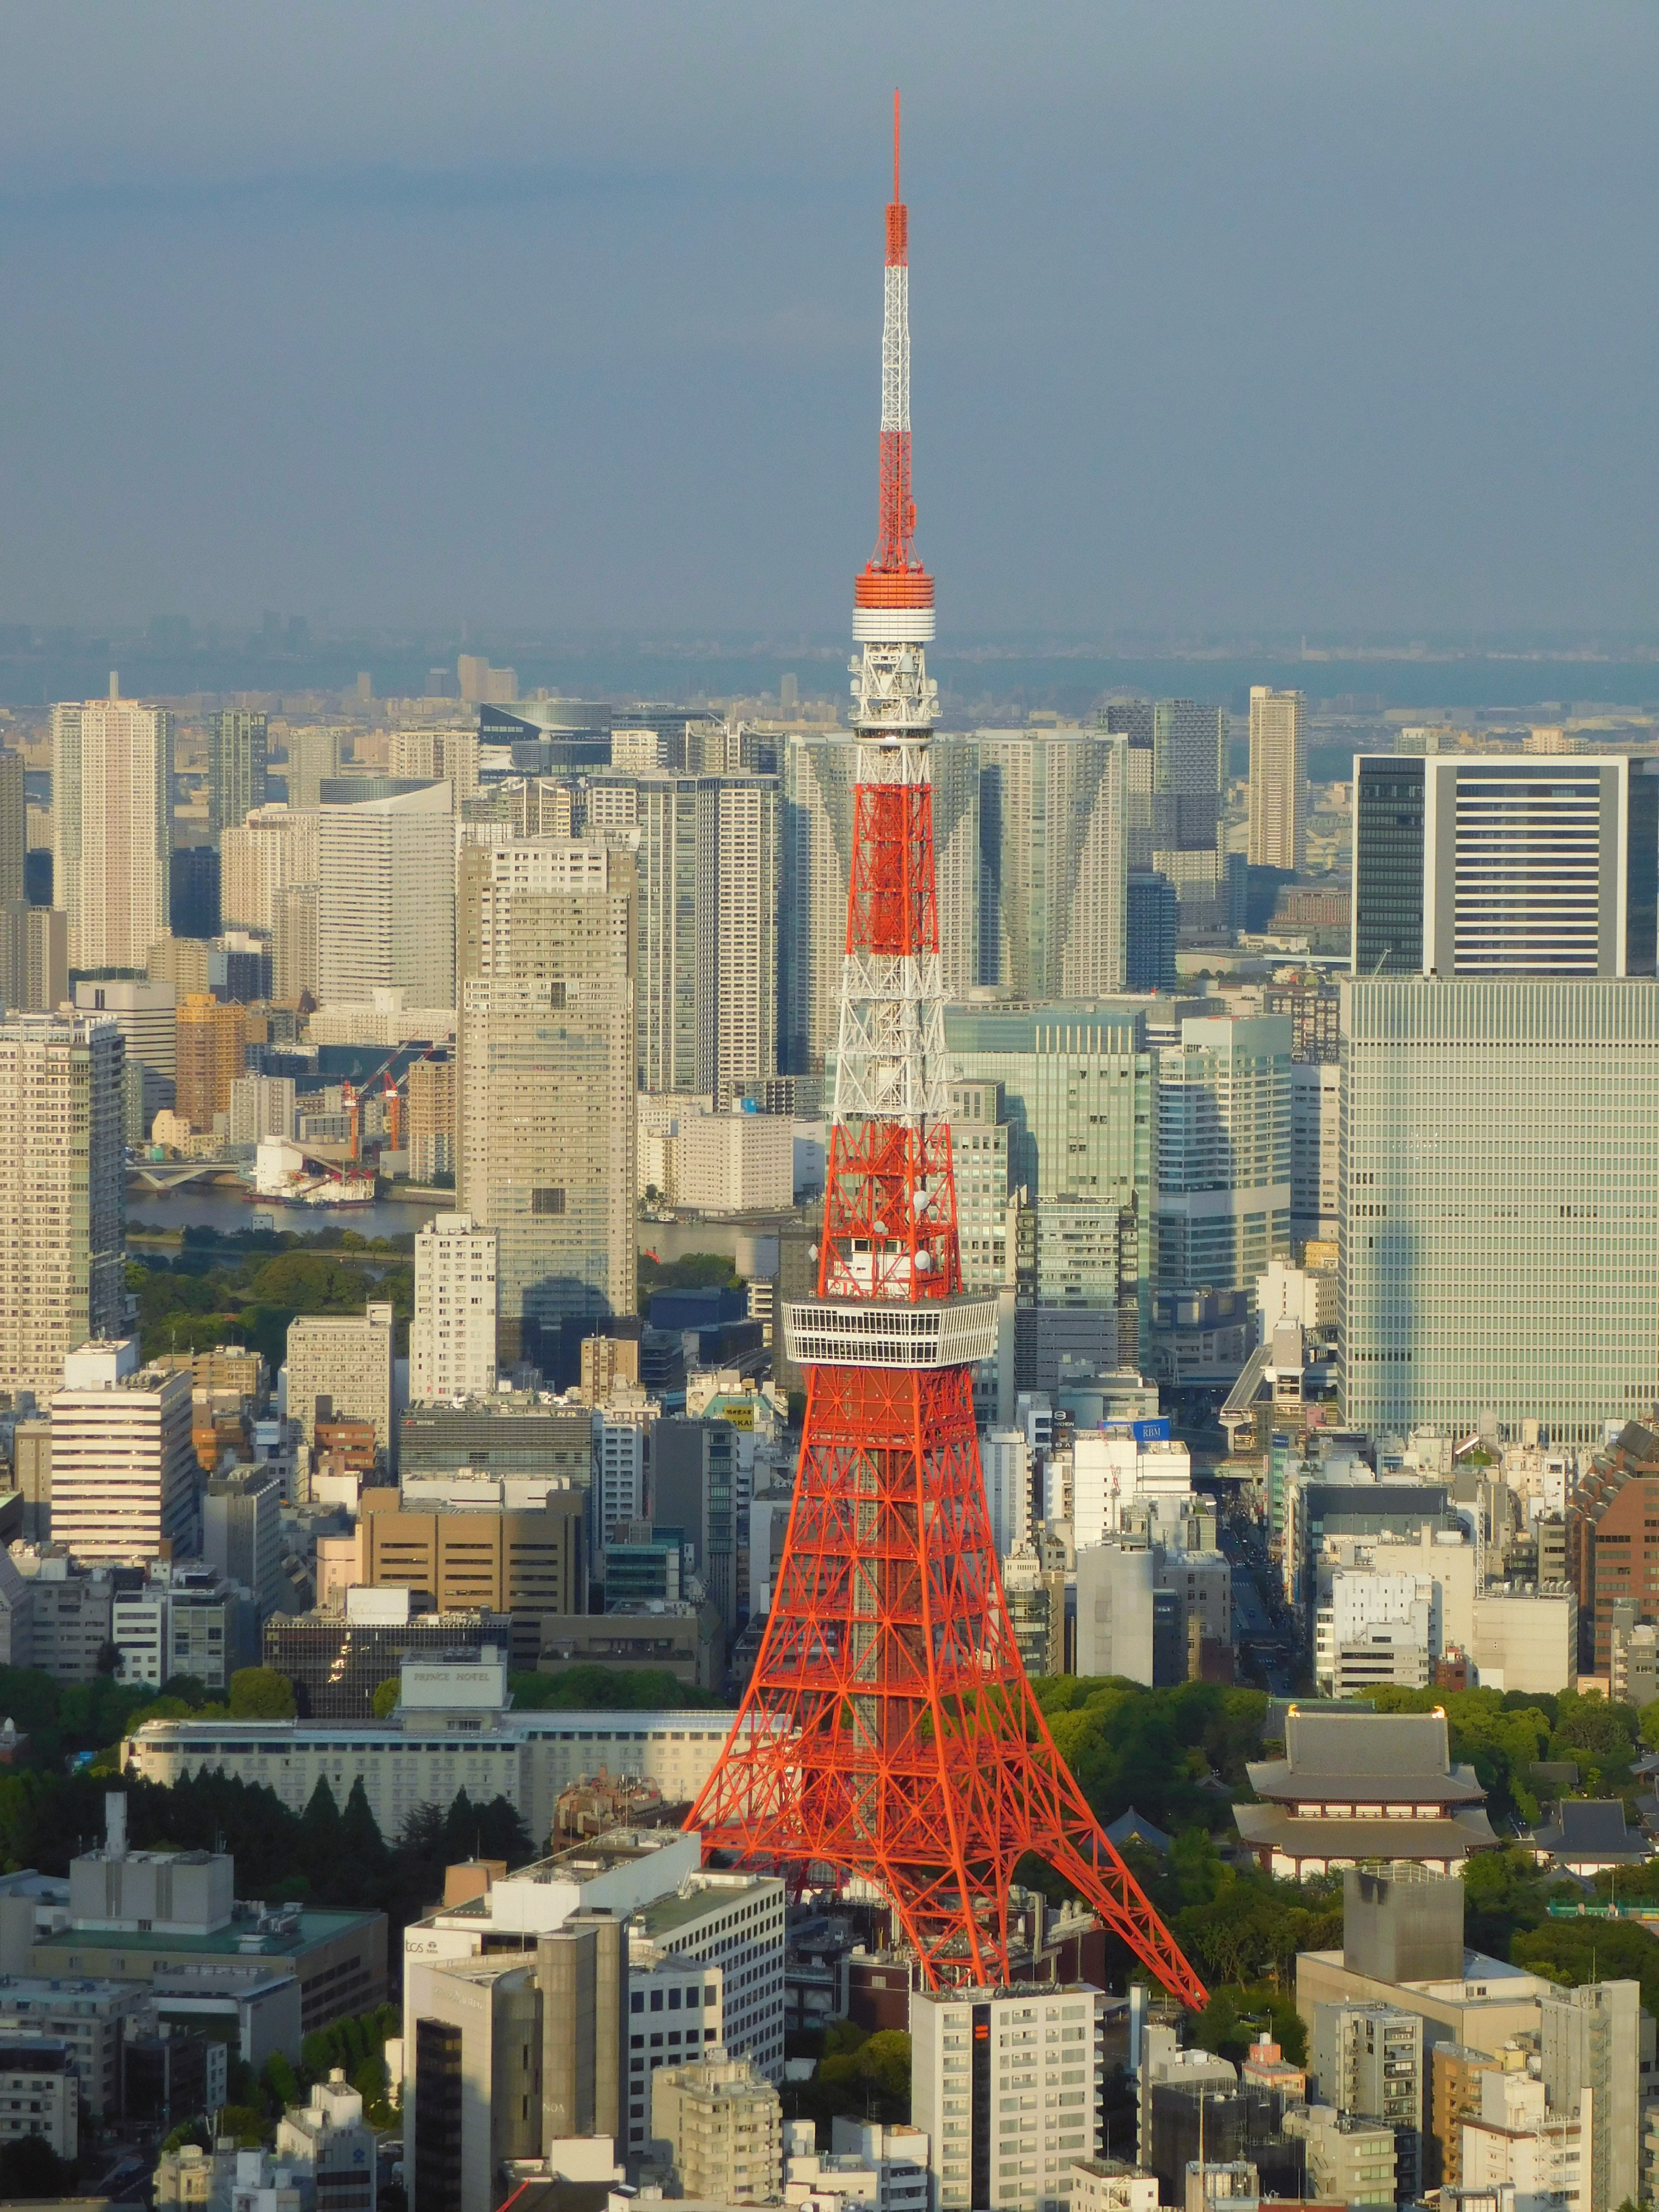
<point>193,891</point>
<point>62,1194</point>
<point>1005,2086</point>
<point>1475,865</point>
<point>385,895</point>
<point>328,2140</point>
<point>1493,1268</point>
<point>34,958</point>
<point>236,767</point>
<point>1152,931</point>
<point>1077,1102</point>
<point>452,1337</point>
<point>722,2122</point>
<point>705,854</point>
<point>337,1656</point>
<point>339,1368</point>
<point>1279,780</point>
<point>1590,2041</point>
<point>276,845</point>
<point>1053,815</point>
<point>242,1532</point>
<point>1177,825</point>
<point>734,1162</point>
<point>184,1619</point>
<point>1224,1153</point>
<point>515,1434</point>
<point>294,972</point>
<point>695,1486</point>
<point>1315,1150</point>
<point>145,1018</point>
<point>480,1558</point>
<point>546,1084</point>
<point>211,1053</point>
<point>818,773</point>
<point>111,812</point>
<point>124,1477</point>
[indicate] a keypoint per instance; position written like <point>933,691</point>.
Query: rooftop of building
<point>1591,1827</point>
<point>1362,1757</point>
<point>288,1934</point>
<point>670,1724</point>
<point>663,1916</point>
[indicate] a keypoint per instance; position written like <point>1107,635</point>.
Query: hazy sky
<point>1322,315</point>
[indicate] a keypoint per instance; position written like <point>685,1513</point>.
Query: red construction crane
<point>888,1731</point>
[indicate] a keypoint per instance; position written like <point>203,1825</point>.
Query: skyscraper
<point>112,781</point>
<point>1223,1153</point>
<point>210,1044</point>
<point>1499,1183</point>
<point>294,966</point>
<point>314,757</point>
<point>14,828</point>
<point>274,847</point>
<point>62,1192</point>
<point>1279,780</point>
<point>236,767</point>
<point>385,897</point>
<point>145,1014</point>
<point>1053,807</point>
<point>193,898</point>
<point>1472,865</point>
<point>546,1083</point>
<point>706,977</point>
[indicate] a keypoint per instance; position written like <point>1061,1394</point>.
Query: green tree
<point>321,1839</point>
<point>387,1695</point>
<point>260,1693</point>
<point>363,1851</point>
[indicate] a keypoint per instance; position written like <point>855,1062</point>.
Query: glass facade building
<point>1499,1187</point>
<point>1223,1153</point>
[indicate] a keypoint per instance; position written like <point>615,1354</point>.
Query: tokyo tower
<point>888,1732</point>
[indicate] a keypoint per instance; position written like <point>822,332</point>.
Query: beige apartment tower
<point>62,1192</point>
<point>546,1091</point>
<point>723,2123</point>
<point>123,1473</point>
<point>1279,779</point>
<point>274,847</point>
<point>112,781</point>
<point>451,1338</point>
<point>431,1111</point>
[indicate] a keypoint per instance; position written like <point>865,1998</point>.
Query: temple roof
<point>1270,1827</point>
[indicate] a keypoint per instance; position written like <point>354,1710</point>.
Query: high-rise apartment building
<point>314,757</point>
<point>339,1368</point>
<point>1052,817</point>
<point>33,958</point>
<point>385,897</point>
<point>1279,779</point>
<point>707,854</point>
<point>451,1338</point>
<point>210,1055</point>
<point>236,767</point>
<point>13,827</point>
<point>1189,774</point>
<point>1487,864</point>
<point>1500,1178</point>
<point>275,846</point>
<point>1590,2042</point>
<point>146,1017</point>
<point>111,785</point>
<point>125,1480</point>
<point>1315,1150</point>
<point>261,1106</point>
<point>293,965</point>
<point>1005,2085</point>
<point>429,1105</point>
<point>62,1192</point>
<point>723,2123</point>
<point>445,754</point>
<point>546,1082</point>
<point>1223,1153</point>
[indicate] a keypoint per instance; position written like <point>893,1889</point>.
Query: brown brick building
<point>1612,1541</point>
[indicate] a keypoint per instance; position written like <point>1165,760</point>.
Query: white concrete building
<point>1115,1610</point>
<point>39,2093</point>
<point>345,1361</point>
<point>62,1194</point>
<point>1005,1458</point>
<point>622,1437</point>
<point>1005,2132</point>
<point>124,1474</point>
<point>329,2139</point>
<point>1518,2143</point>
<point>1362,1601</point>
<point>1526,1638</point>
<point>385,897</point>
<point>276,848</point>
<point>735,1163</point>
<point>452,1337</point>
<point>146,1015</point>
<point>1113,1471</point>
<point>261,1106</point>
<point>382,1018</point>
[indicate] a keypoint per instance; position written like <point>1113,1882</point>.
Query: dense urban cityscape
<point>827,1443</point>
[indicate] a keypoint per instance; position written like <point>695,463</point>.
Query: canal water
<point>227,1210</point>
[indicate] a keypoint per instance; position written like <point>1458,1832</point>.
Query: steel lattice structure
<point>889,1730</point>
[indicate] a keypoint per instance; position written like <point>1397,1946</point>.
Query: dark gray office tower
<point>694,1487</point>
<point>1470,864</point>
<point>236,767</point>
<point>1176,777</point>
<point>193,891</point>
<point>1153,923</point>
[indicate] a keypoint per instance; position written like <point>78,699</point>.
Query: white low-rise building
<point>1526,1638</point>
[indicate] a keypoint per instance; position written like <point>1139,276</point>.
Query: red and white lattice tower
<point>888,1731</point>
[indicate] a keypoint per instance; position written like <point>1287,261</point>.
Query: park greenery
<point>356,2045</point>
<point>247,1288</point>
<point>693,1271</point>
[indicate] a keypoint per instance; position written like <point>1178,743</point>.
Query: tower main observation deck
<point>888,1732</point>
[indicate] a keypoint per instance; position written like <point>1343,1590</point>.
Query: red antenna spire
<point>894,577</point>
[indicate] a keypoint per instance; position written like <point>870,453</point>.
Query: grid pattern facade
<point>275,846</point>
<point>1500,1178</point>
<point>1223,1153</point>
<point>1006,2086</point>
<point>1279,779</point>
<point>386,899</point>
<point>62,1194</point>
<point>452,1338</point>
<point>236,767</point>
<point>1053,826</point>
<point>112,783</point>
